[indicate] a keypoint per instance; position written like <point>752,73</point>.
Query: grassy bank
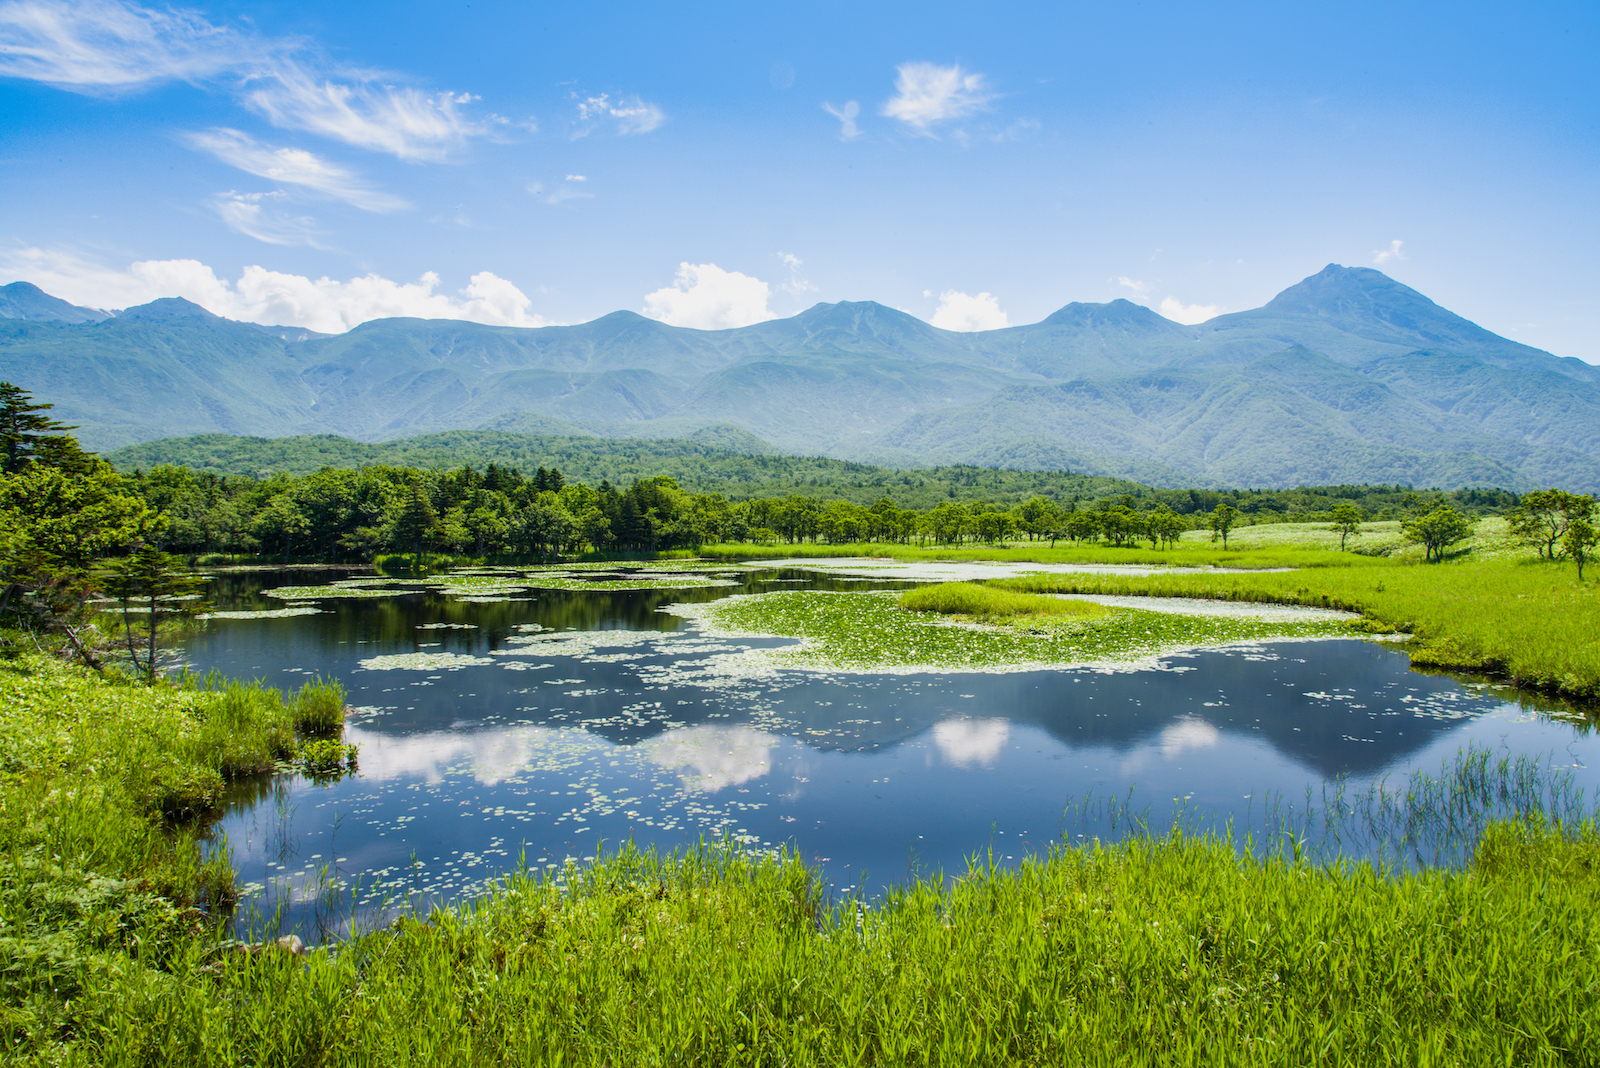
<point>1156,950</point>
<point>1186,554</point>
<point>100,880</point>
<point>1527,620</point>
<point>1166,951</point>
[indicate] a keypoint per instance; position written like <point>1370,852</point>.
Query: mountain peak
<point>166,308</point>
<point>24,300</point>
<point>1337,291</point>
<point>1120,313</point>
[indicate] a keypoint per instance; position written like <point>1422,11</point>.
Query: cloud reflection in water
<point>965,742</point>
<point>709,758</point>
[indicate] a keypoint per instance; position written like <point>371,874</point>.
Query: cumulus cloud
<point>959,311</point>
<point>292,166</point>
<point>1391,253</point>
<point>270,297</point>
<point>927,94</point>
<point>1140,289</point>
<point>100,46</point>
<point>632,115</point>
<point>1188,314</point>
<point>965,742</point>
<point>848,130</point>
<point>706,297</point>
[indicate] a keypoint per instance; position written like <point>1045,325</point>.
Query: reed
<point>1156,950</point>
<point>1530,621</point>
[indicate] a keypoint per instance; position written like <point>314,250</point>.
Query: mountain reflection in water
<point>616,721</point>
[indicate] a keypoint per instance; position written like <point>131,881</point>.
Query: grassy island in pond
<point>961,626</point>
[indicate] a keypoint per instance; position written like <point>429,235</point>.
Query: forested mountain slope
<point>1347,376</point>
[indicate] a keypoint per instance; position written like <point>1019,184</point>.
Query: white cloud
<point>1188,314</point>
<point>250,214</point>
<point>96,46</point>
<point>292,166</point>
<point>91,45</point>
<point>958,311</point>
<point>560,193</point>
<point>797,284</point>
<point>633,115</point>
<point>577,178</point>
<point>848,130</point>
<point>926,93</point>
<point>1140,289</point>
<point>270,297</point>
<point>1391,253</point>
<point>706,297</point>
<point>964,742</point>
<point>403,122</point>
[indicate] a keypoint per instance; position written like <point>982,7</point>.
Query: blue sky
<point>713,165</point>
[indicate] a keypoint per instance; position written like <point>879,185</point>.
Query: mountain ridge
<point>1347,375</point>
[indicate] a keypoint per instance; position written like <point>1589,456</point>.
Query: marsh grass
<point>1530,621</point>
<point>1156,950</point>
<point>1290,552</point>
<point>991,602</point>
<point>871,630</point>
<point>105,787</point>
<point>319,709</point>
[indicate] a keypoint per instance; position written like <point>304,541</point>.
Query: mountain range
<point>1345,377</point>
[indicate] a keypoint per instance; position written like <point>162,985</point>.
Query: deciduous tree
<point>1438,530</point>
<point>1347,520</point>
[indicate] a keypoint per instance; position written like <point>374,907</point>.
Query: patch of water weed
<point>870,630</point>
<point>422,662</point>
<point>267,613</point>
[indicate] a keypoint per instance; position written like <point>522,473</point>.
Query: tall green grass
<point>105,784</point>
<point>1187,554</point>
<point>1166,950</point>
<point>1527,620</point>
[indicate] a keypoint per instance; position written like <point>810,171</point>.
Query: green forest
<point>329,504</point>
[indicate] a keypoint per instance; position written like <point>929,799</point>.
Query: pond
<point>502,723</point>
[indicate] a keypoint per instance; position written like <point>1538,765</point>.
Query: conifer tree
<point>25,434</point>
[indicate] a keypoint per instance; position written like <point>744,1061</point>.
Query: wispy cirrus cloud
<point>103,46</point>
<point>848,130</point>
<point>927,94</point>
<point>258,215</point>
<point>293,166</point>
<point>631,114</point>
<point>1393,252</point>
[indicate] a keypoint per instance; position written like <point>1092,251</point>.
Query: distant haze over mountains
<point>1347,376</point>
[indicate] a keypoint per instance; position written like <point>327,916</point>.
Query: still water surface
<point>535,726</point>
